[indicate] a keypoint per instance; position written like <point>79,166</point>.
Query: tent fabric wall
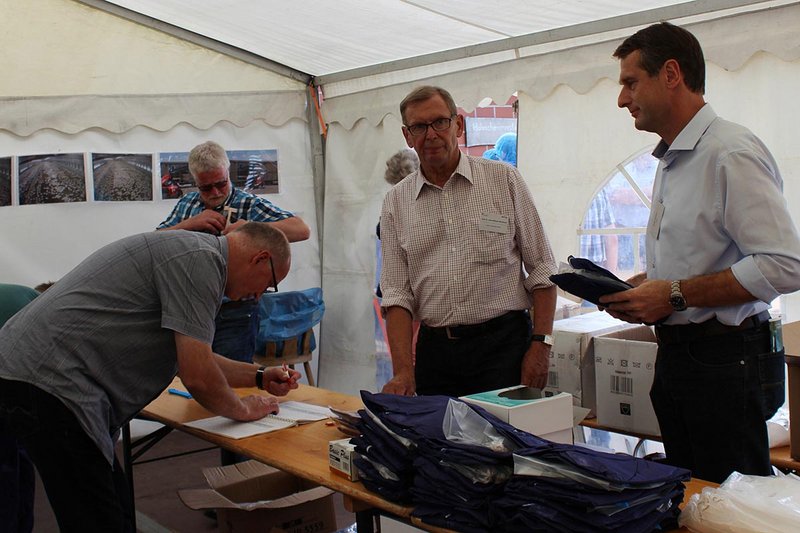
<point>70,67</point>
<point>570,140</point>
<point>728,42</point>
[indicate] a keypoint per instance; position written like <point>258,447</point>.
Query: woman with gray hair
<point>400,165</point>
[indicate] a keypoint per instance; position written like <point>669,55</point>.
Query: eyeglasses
<point>274,287</point>
<point>440,124</point>
<point>219,185</point>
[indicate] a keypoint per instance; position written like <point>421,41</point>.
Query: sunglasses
<point>219,185</point>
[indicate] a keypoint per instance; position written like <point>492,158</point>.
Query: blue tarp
<point>288,314</point>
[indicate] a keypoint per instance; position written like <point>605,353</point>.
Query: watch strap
<point>260,377</point>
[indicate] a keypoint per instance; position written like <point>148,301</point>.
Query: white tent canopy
<point>160,75</point>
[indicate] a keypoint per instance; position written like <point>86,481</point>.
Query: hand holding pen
<point>281,380</point>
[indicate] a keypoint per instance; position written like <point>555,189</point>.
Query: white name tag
<point>654,224</point>
<point>494,223</point>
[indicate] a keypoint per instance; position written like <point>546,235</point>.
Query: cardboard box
<point>252,496</point>
<point>547,417</point>
<point>572,355</point>
<point>391,525</point>
<point>791,344</point>
<point>624,372</point>
<point>340,458</point>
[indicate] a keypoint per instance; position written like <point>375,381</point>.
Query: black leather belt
<point>474,330</point>
<point>710,328</point>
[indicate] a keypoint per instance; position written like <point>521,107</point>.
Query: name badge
<point>494,223</point>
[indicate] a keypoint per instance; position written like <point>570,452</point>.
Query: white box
<point>391,525</point>
<point>624,372</point>
<point>547,417</point>
<point>572,355</point>
<point>340,458</point>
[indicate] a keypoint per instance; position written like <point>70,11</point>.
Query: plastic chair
<point>285,333</point>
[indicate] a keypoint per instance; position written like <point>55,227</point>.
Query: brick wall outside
<point>491,111</point>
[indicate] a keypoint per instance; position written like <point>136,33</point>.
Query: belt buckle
<point>450,335</point>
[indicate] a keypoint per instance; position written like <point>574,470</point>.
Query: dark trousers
<point>86,492</point>
<point>488,361</point>
<point>17,485</point>
<point>713,396</point>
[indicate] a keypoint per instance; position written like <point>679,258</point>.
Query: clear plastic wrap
<point>746,504</point>
<point>462,424</point>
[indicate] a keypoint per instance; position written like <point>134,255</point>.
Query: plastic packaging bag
<point>746,504</point>
<point>462,424</point>
<point>289,314</point>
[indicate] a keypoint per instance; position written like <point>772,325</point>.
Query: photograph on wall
<point>175,178</point>
<point>5,181</point>
<point>123,177</point>
<point>51,179</point>
<point>255,171</point>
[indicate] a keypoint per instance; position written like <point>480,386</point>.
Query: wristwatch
<point>547,339</point>
<point>676,298</point>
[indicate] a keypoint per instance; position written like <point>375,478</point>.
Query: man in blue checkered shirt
<point>218,207</point>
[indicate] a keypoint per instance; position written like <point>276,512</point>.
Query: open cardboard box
<point>252,496</point>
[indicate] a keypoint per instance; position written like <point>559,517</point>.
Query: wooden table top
<point>300,450</point>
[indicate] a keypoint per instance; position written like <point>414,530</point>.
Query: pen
<point>179,392</point>
<point>286,376</point>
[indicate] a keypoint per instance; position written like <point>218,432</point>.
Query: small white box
<point>547,417</point>
<point>572,355</point>
<point>624,372</point>
<point>341,455</point>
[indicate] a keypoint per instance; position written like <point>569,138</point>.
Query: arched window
<point>613,230</point>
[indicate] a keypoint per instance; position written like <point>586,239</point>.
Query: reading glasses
<point>440,124</point>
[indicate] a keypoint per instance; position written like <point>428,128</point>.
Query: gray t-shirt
<point>101,339</point>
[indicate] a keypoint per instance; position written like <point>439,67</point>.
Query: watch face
<point>677,302</point>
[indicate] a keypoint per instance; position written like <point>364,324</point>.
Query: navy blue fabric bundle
<point>406,457</point>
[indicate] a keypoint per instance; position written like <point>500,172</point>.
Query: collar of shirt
<point>463,169</point>
<point>689,136</point>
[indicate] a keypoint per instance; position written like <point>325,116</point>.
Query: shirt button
<point>449,220</point>
<point>455,278</point>
<point>453,249</point>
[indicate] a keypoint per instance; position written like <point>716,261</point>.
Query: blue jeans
<point>236,329</point>
<point>86,492</point>
<point>713,396</point>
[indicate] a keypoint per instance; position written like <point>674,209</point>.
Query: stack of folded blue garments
<point>464,469</point>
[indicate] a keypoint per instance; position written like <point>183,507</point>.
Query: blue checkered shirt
<point>247,207</point>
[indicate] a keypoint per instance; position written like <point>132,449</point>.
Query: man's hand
<point>207,221</point>
<point>402,384</point>
<point>279,381</point>
<point>535,365</point>
<point>647,303</point>
<point>258,407</point>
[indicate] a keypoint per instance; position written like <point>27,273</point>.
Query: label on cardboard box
<point>624,372</point>
<point>572,355</point>
<point>341,454</point>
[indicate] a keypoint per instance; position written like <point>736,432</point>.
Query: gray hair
<point>401,165</point>
<point>207,156</point>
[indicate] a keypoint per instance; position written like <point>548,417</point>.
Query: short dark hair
<point>420,94</point>
<point>664,41</point>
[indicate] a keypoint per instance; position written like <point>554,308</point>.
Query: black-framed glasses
<point>440,124</point>
<point>219,185</point>
<point>274,287</point>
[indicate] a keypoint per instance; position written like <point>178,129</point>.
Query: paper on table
<point>290,414</point>
<point>303,412</point>
<point>238,430</point>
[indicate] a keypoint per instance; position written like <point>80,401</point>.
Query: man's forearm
<point>294,228</point>
<point>400,332</point>
<point>544,308</point>
<point>715,290</point>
